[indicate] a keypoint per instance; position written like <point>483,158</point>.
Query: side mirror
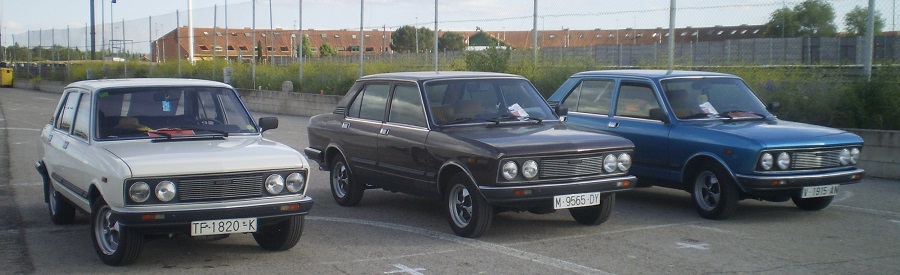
<point>773,106</point>
<point>268,123</point>
<point>561,111</point>
<point>658,114</point>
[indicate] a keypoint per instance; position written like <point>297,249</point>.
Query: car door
<point>62,157</point>
<point>401,145</point>
<point>633,102</point>
<point>589,103</point>
<point>360,130</point>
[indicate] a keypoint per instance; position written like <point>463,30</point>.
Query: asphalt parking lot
<point>652,230</point>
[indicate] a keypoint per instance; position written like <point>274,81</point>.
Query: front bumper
<point>787,184</point>
<point>179,221</point>
<point>315,155</point>
<point>542,195</point>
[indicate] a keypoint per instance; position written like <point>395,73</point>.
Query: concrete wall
<point>880,156</point>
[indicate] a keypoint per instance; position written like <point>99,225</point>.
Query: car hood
<point>232,154</point>
<point>784,134</point>
<point>540,139</point>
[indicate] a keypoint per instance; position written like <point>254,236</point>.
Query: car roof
<point>94,85</point>
<point>652,74</point>
<point>425,76</point>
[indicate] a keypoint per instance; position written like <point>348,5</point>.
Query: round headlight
<point>624,162</point>
<point>274,184</point>
<point>854,155</point>
<point>610,163</point>
<point>509,170</point>
<point>139,191</point>
<point>530,169</point>
<point>784,160</point>
<point>765,162</point>
<point>165,191</point>
<point>844,157</point>
<point>295,182</point>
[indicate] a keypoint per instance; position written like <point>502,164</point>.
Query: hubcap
<point>340,179</point>
<point>460,204</point>
<point>53,199</point>
<point>707,190</point>
<point>108,231</point>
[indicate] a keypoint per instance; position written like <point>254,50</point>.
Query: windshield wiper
<point>497,119</point>
<point>462,120</point>
<point>739,114</point>
<point>223,133</point>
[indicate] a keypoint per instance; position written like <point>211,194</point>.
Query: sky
<point>61,22</point>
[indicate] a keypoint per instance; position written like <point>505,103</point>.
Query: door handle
<point>66,145</point>
<point>345,125</point>
<point>612,124</point>
<point>384,131</point>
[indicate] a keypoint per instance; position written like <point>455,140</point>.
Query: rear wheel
<point>280,236</point>
<point>714,193</point>
<point>344,187</point>
<point>812,204</point>
<point>469,214</point>
<point>115,244</point>
<point>594,215</point>
<point>61,211</point>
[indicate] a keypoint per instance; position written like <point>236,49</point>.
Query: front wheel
<point>812,204</point>
<point>469,214</point>
<point>280,236</point>
<point>114,244</point>
<point>344,187</point>
<point>714,193</point>
<point>594,215</point>
<point>61,211</point>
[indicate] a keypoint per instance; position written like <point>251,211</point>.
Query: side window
<point>406,106</point>
<point>371,102</point>
<point>591,96</point>
<point>83,118</point>
<point>66,116</point>
<point>636,100</point>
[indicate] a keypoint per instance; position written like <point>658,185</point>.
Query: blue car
<point>708,134</point>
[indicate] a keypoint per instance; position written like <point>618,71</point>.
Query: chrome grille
<point>217,188</point>
<point>571,167</point>
<point>812,159</point>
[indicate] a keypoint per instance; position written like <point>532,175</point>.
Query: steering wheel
<point>208,121</point>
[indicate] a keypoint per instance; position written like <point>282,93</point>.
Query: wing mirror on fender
<point>561,111</point>
<point>268,123</point>
<point>773,106</point>
<point>658,114</point>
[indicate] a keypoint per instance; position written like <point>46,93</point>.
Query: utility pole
<point>361,36</point>
<point>253,46</point>
<point>191,31</point>
<point>534,33</point>
<point>671,36</point>
<point>435,35</point>
<point>300,30</point>
<point>870,40</point>
<point>93,33</point>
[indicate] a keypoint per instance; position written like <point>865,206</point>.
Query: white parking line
<point>27,184</point>
<point>22,129</point>
<point>867,210</point>
<point>405,269</point>
<point>541,259</point>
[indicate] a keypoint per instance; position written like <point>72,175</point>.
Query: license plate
<point>227,226</point>
<point>576,200</point>
<point>819,191</point>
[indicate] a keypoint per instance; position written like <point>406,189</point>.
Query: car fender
<point>445,172</point>
<point>698,158</point>
<point>332,150</point>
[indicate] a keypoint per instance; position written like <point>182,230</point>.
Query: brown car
<point>481,143</point>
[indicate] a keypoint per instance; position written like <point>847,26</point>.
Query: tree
<point>306,48</point>
<point>452,41</point>
<point>493,59</point>
<point>404,39</point>
<point>855,20</point>
<point>327,50</point>
<point>810,18</point>
<point>258,51</point>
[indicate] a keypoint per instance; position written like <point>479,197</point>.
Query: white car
<point>160,156</point>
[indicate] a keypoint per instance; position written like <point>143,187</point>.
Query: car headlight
<point>509,170</point>
<point>844,157</point>
<point>139,191</point>
<point>854,155</point>
<point>295,182</point>
<point>530,169</point>
<point>765,162</point>
<point>165,191</point>
<point>784,160</point>
<point>610,163</point>
<point>623,162</point>
<point>274,184</point>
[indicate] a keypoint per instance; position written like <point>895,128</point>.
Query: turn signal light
<point>778,182</point>
<point>151,217</point>
<point>522,192</point>
<point>856,176</point>
<point>290,207</point>
<point>623,183</point>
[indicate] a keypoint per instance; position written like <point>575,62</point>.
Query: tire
<point>468,213</point>
<point>280,236</point>
<point>61,211</point>
<point>594,215</point>
<point>115,245</point>
<point>714,192</point>
<point>345,189</point>
<point>812,204</point>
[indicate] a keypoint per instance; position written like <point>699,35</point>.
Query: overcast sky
<point>19,16</point>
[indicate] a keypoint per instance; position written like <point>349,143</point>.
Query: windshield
<point>485,100</point>
<point>170,112</point>
<point>696,98</point>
